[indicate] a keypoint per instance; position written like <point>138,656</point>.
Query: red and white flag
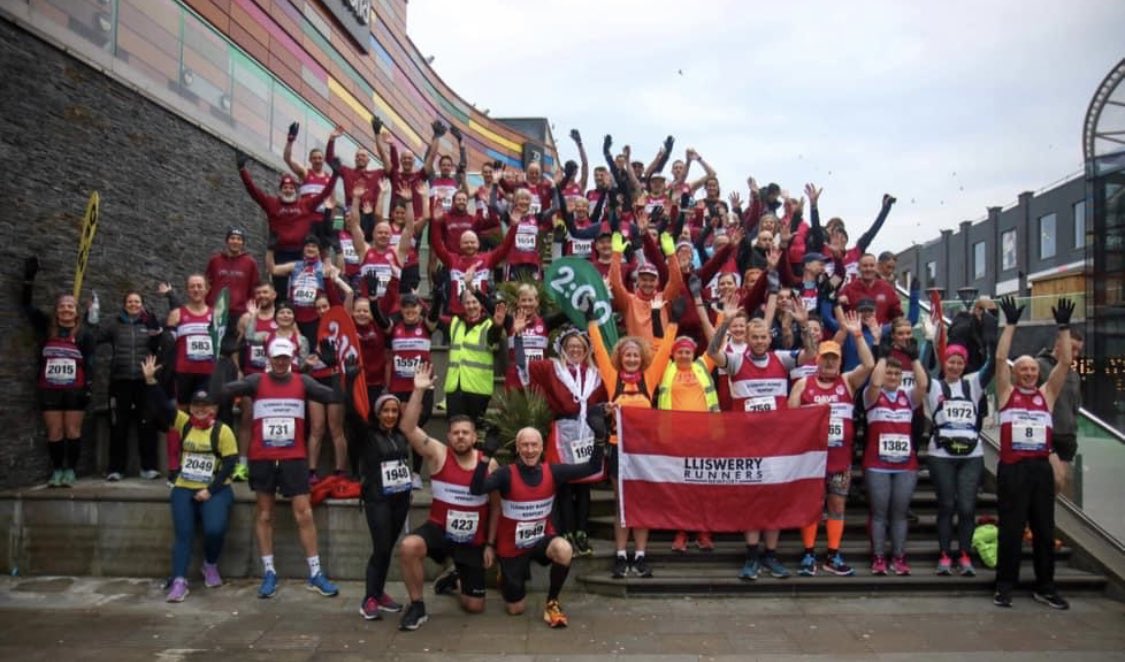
<point>738,471</point>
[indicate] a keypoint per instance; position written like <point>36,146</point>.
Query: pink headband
<point>956,350</point>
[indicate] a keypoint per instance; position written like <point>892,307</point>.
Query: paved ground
<point>124,619</point>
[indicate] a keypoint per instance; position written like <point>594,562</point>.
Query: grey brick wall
<point>168,191</point>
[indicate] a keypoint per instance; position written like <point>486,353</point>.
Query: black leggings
<point>573,507</point>
<point>385,518</point>
<point>129,407</point>
<point>473,405</point>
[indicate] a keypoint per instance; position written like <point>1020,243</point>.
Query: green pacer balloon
<point>573,280</point>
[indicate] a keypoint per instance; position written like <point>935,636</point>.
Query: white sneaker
<point>113,477</point>
<point>150,474</point>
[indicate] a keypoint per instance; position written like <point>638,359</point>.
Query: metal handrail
<point>1094,418</point>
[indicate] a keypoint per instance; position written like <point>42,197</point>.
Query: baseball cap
<point>234,231</point>
<point>828,347</point>
<point>865,305</point>
<point>281,347</point>
<point>814,256</point>
<point>647,268</point>
<point>202,397</point>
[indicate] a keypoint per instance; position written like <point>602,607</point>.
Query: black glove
<point>294,128</point>
<point>607,144</point>
<point>886,343</point>
<point>1062,312</point>
<point>569,171</point>
<point>668,142</point>
<point>372,282</point>
<point>351,366</point>
<point>456,133</point>
<point>677,309</point>
<point>587,308</point>
<point>1011,312</point>
<point>888,200</point>
<point>376,124</point>
<point>335,164</point>
<point>439,128</point>
<point>828,290</point>
<point>695,286</point>
<point>496,165</point>
<point>492,443</point>
<point>30,267</point>
<point>911,350</point>
<point>575,136</point>
<point>559,234</point>
<point>240,158</point>
<point>326,350</point>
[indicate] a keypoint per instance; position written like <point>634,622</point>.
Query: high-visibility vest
<point>699,369</point>
<point>470,358</point>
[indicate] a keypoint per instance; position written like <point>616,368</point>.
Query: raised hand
<point>149,368</point>
<point>1012,313</point>
<point>753,184</point>
<point>337,132</point>
<point>423,377</point>
<point>658,301</point>
<point>326,351</point>
<point>607,144</point>
<point>813,193</point>
<point>773,257</point>
<point>695,286</point>
<point>376,124</point>
<point>1062,312</point>
<point>668,143</point>
<point>735,200</point>
<point>520,322</point>
<point>575,136</point>
<point>438,127</point>
<point>731,305</point>
<point>163,288</point>
<point>851,323</point>
<point>500,314</point>
<point>294,128</point>
<point>888,200</point>
<point>240,159</point>
<point>910,349</point>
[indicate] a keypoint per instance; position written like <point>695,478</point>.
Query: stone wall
<point>168,191</point>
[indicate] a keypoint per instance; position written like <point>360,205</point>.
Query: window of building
<point>1008,250</point>
<point>931,274</point>
<point>1080,224</point>
<point>979,260</point>
<point>1047,236</point>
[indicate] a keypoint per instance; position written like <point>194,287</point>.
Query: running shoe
<point>749,571</point>
<point>775,567</point>
<point>807,568</point>
<point>1052,600</point>
<point>414,617</point>
<point>319,583</point>
<point>836,565</point>
<point>965,565</point>
<point>582,544</point>
<point>703,542</point>
<point>679,542</point>
<point>1002,599</point>
<point>620,567</point>
<point>179,590</point>
<point>388,604</point>
<point>944,565</point>
<point>269,585</point>
<point>211,577</point>
<point>241,473</point>
<point>68,478</point>
<point>554,615</point>
<point>878,565</point>
<point>369,610</point>
<point>447,583</point>
<point>56,478</point>
<point>150,474</point>
<point>113,477</point>
<point>899,566</point>
<point>641,567</point>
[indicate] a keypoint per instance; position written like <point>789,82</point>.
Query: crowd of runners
<point>748,302</point>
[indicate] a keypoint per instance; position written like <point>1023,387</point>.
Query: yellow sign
<point>89,228</point>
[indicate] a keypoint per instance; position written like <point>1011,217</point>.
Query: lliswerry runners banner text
<point>721,471</point>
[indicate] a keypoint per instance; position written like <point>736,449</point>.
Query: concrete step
<point>688,580</point>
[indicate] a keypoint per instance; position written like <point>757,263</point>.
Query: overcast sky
<point>952,106</point>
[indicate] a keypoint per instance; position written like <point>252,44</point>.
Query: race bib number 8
<point>529,533</point>
<point>1029,436</point>
<point>461,526</point>
<point>894,447</point>
<point>62,371</point>
<point>199,348</point>
<point>279,432</point>
<point>198,467</point>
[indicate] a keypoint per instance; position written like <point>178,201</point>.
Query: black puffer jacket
<point>133,339</point>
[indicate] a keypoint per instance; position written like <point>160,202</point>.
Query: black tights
<point>385,518</point>
<point>573,507</point>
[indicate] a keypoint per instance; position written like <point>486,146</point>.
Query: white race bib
<point>199,348</point>
<point>529,533</point>
<point>198,467</point>
<point>959,412</point>
<point>894,447</point>
<point>258,356</point>
<point>810,303</point>
<point>525,239</point>
<point>835,433</point>
<point>536,204</point>
<point>62,371</point>
<point>760,403</point>
<point>396,476</point>
<point>279,432</point>
<point>581,449</point>
<point>461,525</point>
<point>447,202</point>
<point>1029,436</point>
<point>348,249</point>
<point>581,247</point>
<point>304,295</point>
<point>405,367</point>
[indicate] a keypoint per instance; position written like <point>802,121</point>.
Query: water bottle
<point>95,309</point>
